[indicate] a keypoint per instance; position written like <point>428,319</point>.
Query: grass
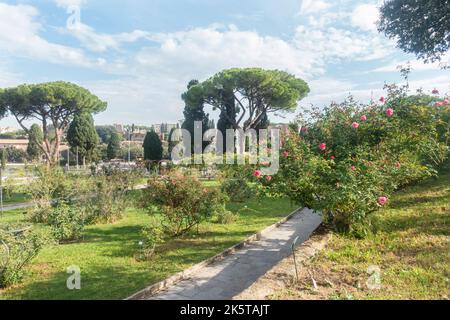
<point>411,248</point>
<point>106,255</point>
<point>16,198</point>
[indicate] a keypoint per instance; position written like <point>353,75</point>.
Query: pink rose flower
<point>285,154</point>
<point>363,118</point>
<point>333,158</point>
<point>435,91</point>
<point>439,104</point>
<point>269,178</point>
<point>257,174</point>
<point>382,99</point>
<point>323,146</point>
<point>353,168</point>
<point>382,201</point>
<point>445,102</point>
<point>355,125</point>
<point>390,112</point>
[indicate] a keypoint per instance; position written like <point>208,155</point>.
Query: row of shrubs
<point>66,203</point>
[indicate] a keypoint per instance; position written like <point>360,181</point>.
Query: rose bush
<point>349,158</point>
<point>182,201</point>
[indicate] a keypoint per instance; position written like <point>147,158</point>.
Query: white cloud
<point>70,3</point>
<point>20,37</point>
<point>365,17</point>
<point>101,42</point>
<point>313,6</point>
<point>416,65</point>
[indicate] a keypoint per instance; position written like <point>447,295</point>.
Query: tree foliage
<point>153,149</point>
<point>35,141</point>
<point>113,150</point>
<point>420,27</point>
<point>54,104</point>
<point>194,112</point>
<point>83,136</point>
<point>246,96</point>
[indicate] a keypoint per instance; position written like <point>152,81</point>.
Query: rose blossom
<point>323,146</point>
<point>355,125</point>
<point>257,173</point>
<point>285,154</point>
<point>269,178</point>
<point>435,91</point>
<point>382,201</point>
<point>363,118</point>
<point>382,99</point>
<point>390,112</point>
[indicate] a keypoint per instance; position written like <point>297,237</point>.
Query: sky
<point>139,55</point>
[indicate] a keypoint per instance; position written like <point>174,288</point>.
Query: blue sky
<point>138,55</point>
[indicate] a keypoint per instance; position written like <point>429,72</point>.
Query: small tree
<point>113,150</point>
<point>35,140</point>
<point>83,136</point>
<point>153,149</point>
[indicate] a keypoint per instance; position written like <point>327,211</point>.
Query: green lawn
<point>109,270</point>
<point>16,198</point>
<point>411,248</point>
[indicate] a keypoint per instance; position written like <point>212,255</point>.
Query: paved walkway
<point>225,279</point>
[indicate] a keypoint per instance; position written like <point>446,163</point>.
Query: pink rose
<point>435,91</point>
<point>353,168</point>
<point>445,102</point>
<point>355,125</point>
<point>333,158</point>
<point>285,154</point>
<point>382,201</point>
<point>257,173</point>
<point>269,178</point>
<point>323,146</point>
<point>382,99</point>
<point>439,104</point>
<point>363,118</point>
<point>304,129</point>
<point>390,112</point>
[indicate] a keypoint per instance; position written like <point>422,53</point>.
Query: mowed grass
<point>411,248</point>
<point>106,255</point>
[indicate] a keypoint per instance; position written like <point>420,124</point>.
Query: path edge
<point>164,284</point>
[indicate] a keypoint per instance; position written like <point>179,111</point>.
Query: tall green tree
<point>35,141</point>
<point>83,136</point>
<point>255,93</point>
<point>54,104</point>
<point>421,27</point>
<point>105,133</point>
<point>194,112</point>
<point>113,151</point>
<point>153,149</point>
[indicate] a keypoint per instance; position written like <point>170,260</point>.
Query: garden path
<point>225,279</point>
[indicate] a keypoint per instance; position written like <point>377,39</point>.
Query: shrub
<point>182,201</point>
<point>226,217</point>
<point>237,189</point>
<point>109,200</point>
<point>67,223</point>
<point>350,158</point>
<point>16,252</point>
<point>152,236</point>
<point>51,185</point>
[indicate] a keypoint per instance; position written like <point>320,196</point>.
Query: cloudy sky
<point>139,54</point>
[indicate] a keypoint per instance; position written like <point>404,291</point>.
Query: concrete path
<point>229,277</point>
<point>16,206</point>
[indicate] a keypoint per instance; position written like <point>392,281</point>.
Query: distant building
<point>22,144</point>
<point>4,130</point>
